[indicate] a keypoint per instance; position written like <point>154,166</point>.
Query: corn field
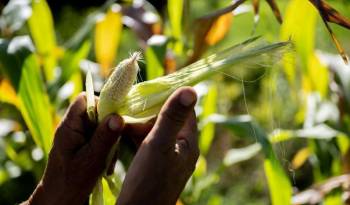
<point>272,79</point>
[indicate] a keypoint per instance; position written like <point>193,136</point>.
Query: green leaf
<point>279,184</point>
<point>108,195</point>
<point>175,12</point>
<point>43,34</point>
<point>22,68</point>
<point>35,106</point>
<point>72,58</point>
<point>208,130</point>
<point>155,56</point>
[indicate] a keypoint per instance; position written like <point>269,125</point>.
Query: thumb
<point>106,135</point>
<point>172,118</point>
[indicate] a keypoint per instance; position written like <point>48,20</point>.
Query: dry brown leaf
<point>329,14</point>
<point>276,11</point>
<point>256,6</point>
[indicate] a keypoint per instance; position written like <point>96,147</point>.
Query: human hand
<point>167,156</point>
<point>78,157</point>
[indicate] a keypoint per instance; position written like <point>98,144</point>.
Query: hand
<point>78,157</point>
<point>167,156</point>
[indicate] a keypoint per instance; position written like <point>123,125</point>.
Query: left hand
<point>78,157</point>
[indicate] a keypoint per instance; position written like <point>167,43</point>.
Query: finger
<point>189,132</point>
<point>106,135</point>
<point>172,117</point>
<point>71,132</point>
<point>187,139</point>
<point>137,132</point>
<point>76,113</point>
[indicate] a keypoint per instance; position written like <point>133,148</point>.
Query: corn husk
<point>145,99</point>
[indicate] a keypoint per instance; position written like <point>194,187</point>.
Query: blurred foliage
<point>276,133</point>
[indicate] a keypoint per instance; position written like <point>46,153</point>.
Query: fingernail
<point>187,98</point>
<point>114,123</point>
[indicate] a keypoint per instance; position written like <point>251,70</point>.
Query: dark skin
<point>166,158</point>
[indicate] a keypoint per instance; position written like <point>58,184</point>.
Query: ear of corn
<point>118,86</point>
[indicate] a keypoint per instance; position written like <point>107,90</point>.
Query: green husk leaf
<point>90,97</point>
<point>145,99</point>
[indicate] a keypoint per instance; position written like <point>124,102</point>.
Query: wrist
<point>42,195</point>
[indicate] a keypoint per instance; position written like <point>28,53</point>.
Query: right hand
<point>167,156</point>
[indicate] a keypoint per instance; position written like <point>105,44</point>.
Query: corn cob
<point>117,86</point>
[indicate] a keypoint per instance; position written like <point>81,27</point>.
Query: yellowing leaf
<point>300,29</point>
<point>8,93</point>
<point>219,29</point>
<point>321,82</point>
<point>300,157</point>
<point>107,37</point>
<point>275,10</point>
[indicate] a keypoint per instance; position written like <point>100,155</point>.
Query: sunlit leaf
<point>33,100</point>
<point>279,185</point>
<point>155,56</point>
<point>107,37</point>
<point>300,28</point>
<point>175,12</point>
<point>21,66</point>
<point>208,130</point>
<point>41,22</point>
